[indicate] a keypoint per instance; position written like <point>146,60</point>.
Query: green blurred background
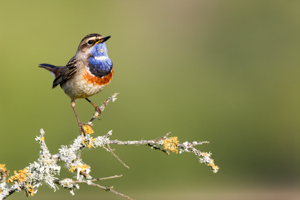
<point>223,71</point>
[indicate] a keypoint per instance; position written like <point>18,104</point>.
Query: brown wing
<point>66,72</point>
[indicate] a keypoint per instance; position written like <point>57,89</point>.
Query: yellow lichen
<point>87,129</point>
<point>29,190</point>
<point>2,167</point>
<point>72,169</point>
<point>20,177</point>
<point>171,144</point>
<point>91,142</point>
<point>3,173</point>
<point>82,168</point>
<point>214,167</point>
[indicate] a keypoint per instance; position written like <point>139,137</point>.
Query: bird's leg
<point>81,129</point>
<point>97,108</point>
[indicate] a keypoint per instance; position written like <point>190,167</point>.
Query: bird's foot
<point>98,112</point>
<point>97,109</point>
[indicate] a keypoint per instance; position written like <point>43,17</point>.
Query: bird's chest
<point>85,84</point>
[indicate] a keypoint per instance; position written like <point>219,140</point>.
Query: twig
<point>158,148</point>
<point>111,151</point>
<point>102,107</point>
<point>140,142</point>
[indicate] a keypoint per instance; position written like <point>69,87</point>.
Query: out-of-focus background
<point>223,71</point>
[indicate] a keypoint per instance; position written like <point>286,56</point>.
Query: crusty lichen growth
<point>171,144</point>
<point>19,177</point>
<point>87,129</point>
<point>46,170</point>
<point>3,173</point>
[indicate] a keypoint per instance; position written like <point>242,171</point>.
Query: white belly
<point>77,88</point>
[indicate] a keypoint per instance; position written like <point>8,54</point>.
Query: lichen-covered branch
<point>46,169</point>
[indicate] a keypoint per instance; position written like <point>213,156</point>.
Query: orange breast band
<point>97,80</point>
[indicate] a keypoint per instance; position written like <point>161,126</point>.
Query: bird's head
<point>93,45</point>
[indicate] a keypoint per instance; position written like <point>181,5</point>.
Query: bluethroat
<point>87,73</point>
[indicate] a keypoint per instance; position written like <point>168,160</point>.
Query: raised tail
<point>54,70</point>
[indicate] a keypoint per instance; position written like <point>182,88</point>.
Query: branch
<point>46,169</point>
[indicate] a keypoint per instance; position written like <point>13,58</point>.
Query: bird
<point>86,74</point>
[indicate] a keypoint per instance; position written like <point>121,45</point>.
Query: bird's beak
<point>103,39</point>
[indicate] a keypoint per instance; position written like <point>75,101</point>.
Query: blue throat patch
<point>99,63</point>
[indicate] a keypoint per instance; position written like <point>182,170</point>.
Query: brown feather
<point>66,72</point>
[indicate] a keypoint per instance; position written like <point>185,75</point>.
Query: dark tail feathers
<point>51,68</point>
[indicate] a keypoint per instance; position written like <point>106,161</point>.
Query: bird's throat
<point>100,66</point>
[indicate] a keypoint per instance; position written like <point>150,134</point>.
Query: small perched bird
<point>87,73</point>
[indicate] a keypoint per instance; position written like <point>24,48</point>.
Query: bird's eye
<point>90,42</point>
